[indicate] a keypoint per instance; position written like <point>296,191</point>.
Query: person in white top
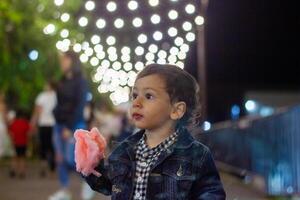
<point>44,120</point>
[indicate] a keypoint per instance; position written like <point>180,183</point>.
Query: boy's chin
<point>140,126</point>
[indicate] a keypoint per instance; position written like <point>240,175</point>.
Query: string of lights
<point>121,37</point>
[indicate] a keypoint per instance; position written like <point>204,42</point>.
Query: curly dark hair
<point>181,86</point>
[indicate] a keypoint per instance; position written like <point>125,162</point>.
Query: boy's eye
<point>133,96</point>
<point>148,96</point>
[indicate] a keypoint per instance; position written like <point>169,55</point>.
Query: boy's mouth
<point>137,116</point>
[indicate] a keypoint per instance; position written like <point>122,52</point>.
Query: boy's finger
<point>98,174</point>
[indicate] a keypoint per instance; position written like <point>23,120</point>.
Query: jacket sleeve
<point>100,184</point>
<point>208,185</point>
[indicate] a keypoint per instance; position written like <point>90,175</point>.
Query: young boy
<point>162,161</point>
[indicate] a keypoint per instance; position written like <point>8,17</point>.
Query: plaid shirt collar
<point>146,152</point>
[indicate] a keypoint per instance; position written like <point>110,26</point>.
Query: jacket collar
<point>184,141</point>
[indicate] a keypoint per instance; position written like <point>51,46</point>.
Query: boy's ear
<point>178,110</point>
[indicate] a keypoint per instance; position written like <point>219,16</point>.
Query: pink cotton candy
<point>89,150</point>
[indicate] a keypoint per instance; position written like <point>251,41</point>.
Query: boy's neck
<point>156,136</point>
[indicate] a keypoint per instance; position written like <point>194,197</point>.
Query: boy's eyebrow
<point>147,88</point>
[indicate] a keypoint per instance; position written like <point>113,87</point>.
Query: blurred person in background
<point>127,126</point>
<point>71,94</point>
<point>43,119</point>
<point>19,131</point>
<point>5,141</point>
<point>109,125</point>
<point>3,128</point>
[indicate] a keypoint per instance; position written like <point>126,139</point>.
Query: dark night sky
<point>250,45</point>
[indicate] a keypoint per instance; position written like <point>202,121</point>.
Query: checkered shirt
<point>145,158</point>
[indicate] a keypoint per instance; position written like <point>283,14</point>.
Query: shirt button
<point>140,179</point>
<point>137,195</point>
<point>143,164</point>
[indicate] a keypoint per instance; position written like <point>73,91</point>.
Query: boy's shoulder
<point>200,149</point>
<point>186,139</point>
<point>199,145</point>
<point>196,154</point>
<point>188,146</point>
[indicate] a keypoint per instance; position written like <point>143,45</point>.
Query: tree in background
<point>28,56</point>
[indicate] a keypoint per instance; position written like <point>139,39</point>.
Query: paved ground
<point>34,187</point>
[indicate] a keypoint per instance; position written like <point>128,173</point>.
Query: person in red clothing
<point>19,131</point>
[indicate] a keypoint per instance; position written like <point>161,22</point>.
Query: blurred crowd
<point>23,135</point>
<point>46,132</point>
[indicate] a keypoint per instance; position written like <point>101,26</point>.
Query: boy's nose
<point>137,103</point>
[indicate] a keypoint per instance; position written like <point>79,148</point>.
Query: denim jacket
<point>185,171</point>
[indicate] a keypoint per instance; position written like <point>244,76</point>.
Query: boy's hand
<point>89,150</point>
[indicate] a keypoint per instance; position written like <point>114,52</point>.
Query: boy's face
<point>151,106</point>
